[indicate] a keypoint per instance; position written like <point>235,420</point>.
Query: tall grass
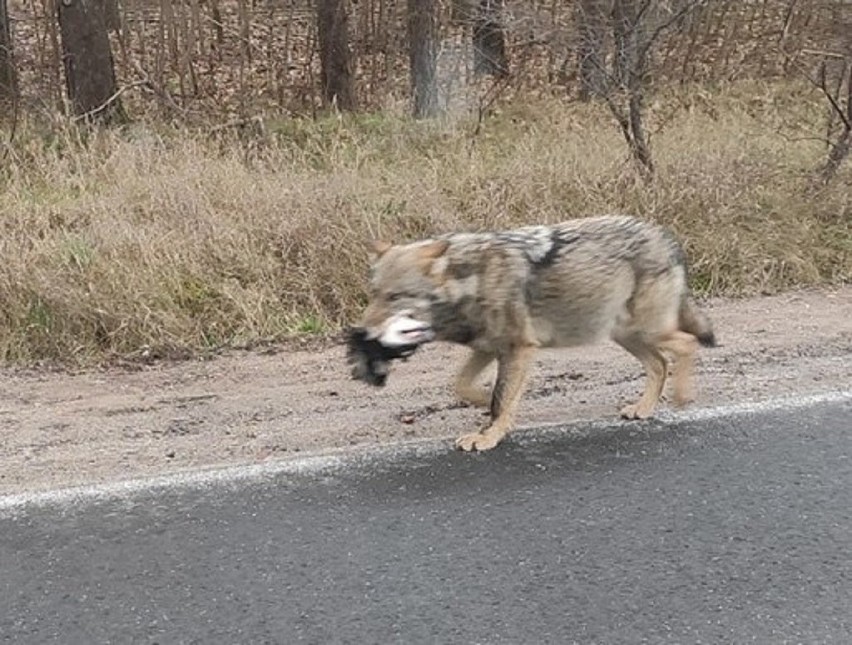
<point>153,240</point>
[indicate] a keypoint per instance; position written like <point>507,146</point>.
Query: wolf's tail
<point>696,322</point>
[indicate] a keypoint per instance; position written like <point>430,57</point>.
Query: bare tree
<point>8,75</point>
<point>835,82</point>
<point>636,27</point>
<point>423,56</point>
<point>833,79</point>
<point>629,69</point>
<point>88,63</point>
<point>489,40</point>
<point>336,69</point>
<point>591,20</point>
<point>838,93</point>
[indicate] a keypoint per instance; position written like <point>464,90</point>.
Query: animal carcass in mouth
<point>371,359</point>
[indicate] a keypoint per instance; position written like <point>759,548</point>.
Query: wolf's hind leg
<point>512,371</point>
<point>683,346</point>
<point>655,375</point>
<point>473,367</point>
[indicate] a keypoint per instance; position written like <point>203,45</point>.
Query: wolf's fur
<point>505,294</point>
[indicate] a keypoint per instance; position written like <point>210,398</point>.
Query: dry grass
<point>163,242</point>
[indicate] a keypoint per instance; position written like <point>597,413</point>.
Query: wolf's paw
<point>477,441</point>
<point>637,411</point>
<point>683,393</point>
<point>682,399</point>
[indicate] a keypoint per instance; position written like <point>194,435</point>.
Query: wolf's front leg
<point>512,370</point>
<point>465,387</point>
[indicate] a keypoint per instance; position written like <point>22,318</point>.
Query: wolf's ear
<point>378,248</point>
<point>434,250</point>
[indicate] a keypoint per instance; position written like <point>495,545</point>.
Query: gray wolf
<point>506,294</point>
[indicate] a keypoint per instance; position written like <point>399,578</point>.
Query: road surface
<point>714,528</point>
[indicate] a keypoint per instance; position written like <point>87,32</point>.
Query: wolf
<point>506,294</point>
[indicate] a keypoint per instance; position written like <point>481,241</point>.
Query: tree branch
<point>106,104</point>
<point>680,13</point>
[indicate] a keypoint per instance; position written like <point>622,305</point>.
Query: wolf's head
<point>398,318</point>
<point>403,285</point>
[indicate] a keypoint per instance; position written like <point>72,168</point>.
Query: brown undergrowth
<point>158,241</point>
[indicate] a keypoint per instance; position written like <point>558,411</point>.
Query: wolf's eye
<point>393,297</point>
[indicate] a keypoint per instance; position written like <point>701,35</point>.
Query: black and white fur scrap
<point>370,359</point>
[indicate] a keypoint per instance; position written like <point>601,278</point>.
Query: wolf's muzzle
<point>402,330</point>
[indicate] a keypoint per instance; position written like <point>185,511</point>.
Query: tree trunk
<point>840,108</point>
<point>625,24</point>
<point>591,25</point>
<point>112,16</point>
<point>8,75</point>
<point>630,66</point>
<point>640,149</point>
<point>489,40</point>
<point>87,58</point>
<point>839,151</point>
<point>423,56</point>
<point>335,56</point>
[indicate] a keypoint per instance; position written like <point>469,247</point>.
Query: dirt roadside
<point>60,429</point>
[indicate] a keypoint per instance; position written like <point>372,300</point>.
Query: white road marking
<point>331,461</point>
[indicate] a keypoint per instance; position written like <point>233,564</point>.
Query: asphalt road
<point>722,530</point>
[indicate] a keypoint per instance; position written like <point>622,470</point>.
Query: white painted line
<point>331,461</point>
<point>319,463</point>
<point>757,407</point>
<point>668,416</point>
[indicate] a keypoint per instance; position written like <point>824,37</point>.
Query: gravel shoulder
<point>61,429</point>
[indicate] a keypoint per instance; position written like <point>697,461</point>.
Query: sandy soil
<point>60,429</point>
